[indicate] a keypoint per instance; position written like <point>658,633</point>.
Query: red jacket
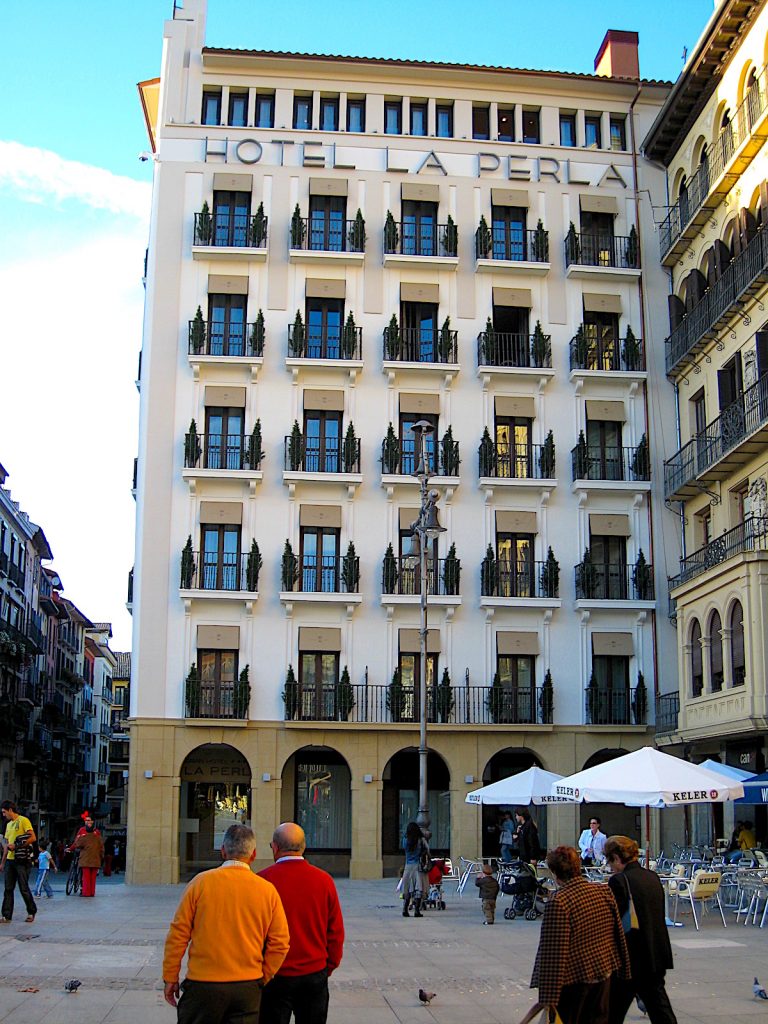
<point>312,907</point>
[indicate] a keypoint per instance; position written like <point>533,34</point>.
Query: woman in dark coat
<point>91,847</point>
<point>527,837</point>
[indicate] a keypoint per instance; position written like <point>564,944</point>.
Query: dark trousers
<point>585,1004</point>
<point>651,990</point>
<point>219,1002</point>
<point>306,996</point>
<point>17,873</point>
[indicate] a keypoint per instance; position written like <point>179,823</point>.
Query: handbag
<point>629,920</point>
<point>425,860</point>
<point>22,852</point>
<point>544,1018</point>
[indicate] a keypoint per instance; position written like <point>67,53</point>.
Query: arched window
<point>697,668</point>
<point>703,171</point>
<point>682,196</point>
<point>738,667</point>
<point>726,136</point>
<point>753,98</point>
<point>715,652</point>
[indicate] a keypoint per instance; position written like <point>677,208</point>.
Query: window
<point>329,113</point>
<point>597,248</point>
<point>608,556</point>
<point>604,452</point>
<point>265,111</point>
<point>618,128</point>
<point>238,109</point>
<point>218,675</point>
<point>517,678</point>
<point>327,223</point>
<point>704,528</point>
<point>715,652</point>
<point>322,441</point>
<point>610,704</point>
<point>567,129</point>
<point>323,804</point>
<point>510,345</point>
<point>481,123</point>
<point>508,226</point>
<point>697,669</point>
<point>738,663</point>
<point>515,565</point>
<point>409,666</point>
<point>601,331</point>
<point>592,132</point>
<point>419,333</point>
<point>318,682</point>
<point>506,122</point>
<point>514,449</point>
<point>220,557</point>
<point>224,436</point>
<point>319,560</point>
<point>531,126</point>
<point>231,217</point>
<point>444,117</point>
<point>393,117</point>
<point>730,382</point>
<point>226,325</point>
<point>324,320</point>
<point>419,228</point>
<point>409,453</point>
<point>302,112</point>
<point>418,118</point>
<point>356,115</point>
<point>211,107</point>
<point>409,569</point>
<point>741,502</point>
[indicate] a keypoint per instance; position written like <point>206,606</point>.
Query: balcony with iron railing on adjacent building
<point>323,238</point>
<point>423,244</point>
<point>667,711</point>
<point>596,351</point>
<point>619,706</point>
<point>604,465</point>
<point>401,576</point>
<point>216,699</point>
<point>423,346</point>
<point>734,149</point>
<point>738,433</point>
<point>521,580</point>
<point>218,572</point>
<point>748,537</point>
<point>400,457</point>
<point>229,235</point>
<point>510,248</point>
<point>596,581</point>
<point>311,454</point>
<point>341,343</point>
<point>604,257</point>
<point>226,339</point>
<point>16,574</point>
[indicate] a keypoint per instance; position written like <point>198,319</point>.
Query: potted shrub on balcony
<point>451,239</point>
<point>632,249</point>
<point>255,449</point>
<point>204,225</point>
<point>241,696</point>
<point>581,348</point>
<point>389,571</point>
<point>487,454</point>
<point>489,574</point>
<point>350,570</point>
<point>541,243</point>
<point>349,451</point>
<point>540,347</point>
<point>197,333</point>
<point>295,448</point>
<point>392,338</point>
<point>547,457</point>
<point>445,342</point>
<point>289,568</point>
<point>349,338</point>
<point>356,236</point>
<point>192,449</point>
<point>496,701</point>
<point>550,576</point>
<point>451,572</point>
<point>587,576</point>
<point>641,460</point>
<point>632,354</point>
<point>390,456</point>
<point>291,695</point>
<point>443,697</point>
<point>192,695</point>
<point>298,229</point>
<point>450,454</point>
<point>187,566</point>
<point>253,568</point>
<point>640,702</point>
<point>345,696</point>
<point>572,245</point>
<point>256,340</point>
<point>391,233</point>
<point>642,578</point>
<point>258,227</point>
<point>396,698</point>
<point>298,335</point>
<point>581,459</point>
<point>489,354</point>
<point>594,711</point>
<point>483,240</point>
<point>547,699</point>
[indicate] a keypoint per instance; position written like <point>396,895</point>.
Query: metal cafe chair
<point>702,888</point>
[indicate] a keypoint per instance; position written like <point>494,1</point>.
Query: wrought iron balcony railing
<point>327,234</point>
<point>216,699</point>
<point>16,574</point>
<point>595,462</point>
<point>327,574</point>
<point>591,351</point>
<point>667,710</point>
<point>742,275</point>
<point>420,345</point>
<point>221,451</point>
<point>326,342</point>
<point>499,348</point>
<point>502,578</point>
<point>736,423</point>
<point>305,454</point>
<point>228,338</point>
<point>130,586</point>
<point>627,706</point>
<point>424,239</point>
<point>598,582</point>
<point>401,457</point>
<point>516,246</point>
<point>4,562</point>
<point>403,576</point>
<point>751,535</point>
<point>231,230</point>
<point>588,250</point>
<point>517,461</point>
<point>211,571</point>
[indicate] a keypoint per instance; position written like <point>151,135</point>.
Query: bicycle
<point>75,876</point>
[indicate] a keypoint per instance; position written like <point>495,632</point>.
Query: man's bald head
<point>289,838</point>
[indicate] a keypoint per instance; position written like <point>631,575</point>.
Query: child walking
<point>45,863</point>
<point>489,890</point>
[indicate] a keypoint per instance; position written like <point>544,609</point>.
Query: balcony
<point>667,711</point>
<point>371,704</point>
<point>229,236</point>
<point>399,458</point>
<point>16,575</point>
<point>599,582</point>
<point>601,356</point>
<point>601,257</point>
<point>4,560</point>
<point>742,278</point>
<point>324,345</point>
<point>751,535</point>
<point>221,341</point>
<point>401,577</point>
<point>615,707</point>
<point>736,436</point>
<point>224,456</point>
<point>516,465</point>
<point>731,154</point>
<point>608,468</point>
<point>326,240</point>
<point>503,351</point>
<point>521,582</point>
<point>35,636</point>
<point>421,348</point>
<point>425,245</point>
<point>324,579</point>
<point>129,598</point>
<point>216,699</point>
<point>229,574</point>
<point>526,252</point>
<point>314,455</point>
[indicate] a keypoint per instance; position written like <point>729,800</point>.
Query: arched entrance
<point>400,804</point>
<point>617,820</point>
<point>215,793</point>
<point>504,763</point>
<point>317,794</point>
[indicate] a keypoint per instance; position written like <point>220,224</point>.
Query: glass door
<point>224,431</point>
<point>326,223</point>
<point>514,451</point>
<point>419,228</point>
<point>514,554</point>
<point>419,332</point>
<point>604,452</point>
<point>319,678</point>
<point>516,676</point>
<point>609,557</point>
<point>319,560</point>
<point>231,213</point>
<point>218,672</point>
<point>509,239</point>
<point>324,320</point>
<point>322,439</point>
<point>409,443</point>
<point>220,557</point>
<point>226,325</point>
<point>410,679</point>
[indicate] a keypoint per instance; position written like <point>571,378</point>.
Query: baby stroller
<point>435,900</point>
<point>527,892</point>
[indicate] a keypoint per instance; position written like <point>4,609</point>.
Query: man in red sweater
<point>312,907</point>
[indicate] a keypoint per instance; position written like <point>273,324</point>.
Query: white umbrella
<point>533,786</point>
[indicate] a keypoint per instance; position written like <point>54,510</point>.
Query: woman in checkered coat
<point>581,944</point>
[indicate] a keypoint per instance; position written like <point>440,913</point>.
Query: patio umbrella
<point>726,769</point>
<point>755,790</point>
<point>533,786</point>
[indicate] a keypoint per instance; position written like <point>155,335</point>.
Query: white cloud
<point>41,176</point>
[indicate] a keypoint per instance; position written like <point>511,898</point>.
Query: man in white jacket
<point>592,843</point>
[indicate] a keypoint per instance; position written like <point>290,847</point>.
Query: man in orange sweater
<point>317,933</point>
<point>235,927</point>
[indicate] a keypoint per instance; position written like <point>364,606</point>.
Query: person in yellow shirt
<point>17,861</point>
<point>234,924</point>
<point>746,838</point>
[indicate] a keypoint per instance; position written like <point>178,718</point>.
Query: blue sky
<point>75,202</point>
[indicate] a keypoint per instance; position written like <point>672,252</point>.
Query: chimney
<point>617,56</point>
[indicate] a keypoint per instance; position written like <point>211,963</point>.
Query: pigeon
<point>73,985</point>
<point>758,990</point>
<point>427,997</point>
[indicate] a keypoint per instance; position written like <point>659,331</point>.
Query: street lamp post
<point>426,528</point>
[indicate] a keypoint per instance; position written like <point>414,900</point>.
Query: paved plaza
<point>113,944</point>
